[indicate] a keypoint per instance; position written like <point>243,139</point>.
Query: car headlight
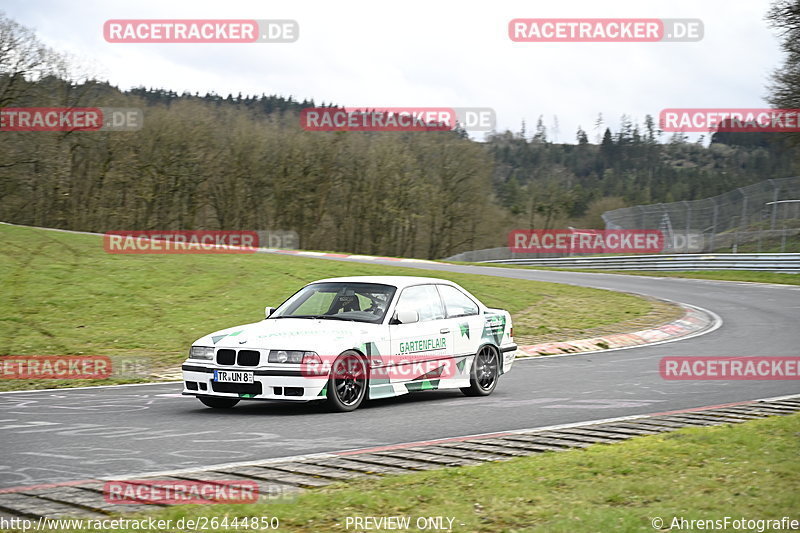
<point>289,356</point>
<point>201,352</point>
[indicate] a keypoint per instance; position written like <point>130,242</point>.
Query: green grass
<point>722,275</point>
<point>746,470</point>
<point>719,275</point>
<point>771,246</point>
<point>63,295</point>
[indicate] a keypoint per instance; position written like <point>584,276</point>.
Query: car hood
<point>293,334</point>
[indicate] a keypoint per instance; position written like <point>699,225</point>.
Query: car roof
<point>396,281</point>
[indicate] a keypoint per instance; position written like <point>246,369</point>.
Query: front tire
<point>347,385</point>
<point>218,403</point>
<point>485,372</point>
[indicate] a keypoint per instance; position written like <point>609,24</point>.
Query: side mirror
<point>406,316</point>
<point>268,311</point>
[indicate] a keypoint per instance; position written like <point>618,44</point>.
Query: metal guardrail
<point>786,263</point>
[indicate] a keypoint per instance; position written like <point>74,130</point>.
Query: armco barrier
<point>787,263</point>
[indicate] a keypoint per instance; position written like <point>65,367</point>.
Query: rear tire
<point>485,372</point>
<point>347,384</point>
<point>218,403</point>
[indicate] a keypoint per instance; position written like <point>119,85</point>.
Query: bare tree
<point>23,59</point>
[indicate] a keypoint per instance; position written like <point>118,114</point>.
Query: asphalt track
<point>67,435</point>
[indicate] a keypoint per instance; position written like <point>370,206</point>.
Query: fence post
<point>783,239</point>
<point>743,223</point>
<point>714,224</point>
<point>774,206</point>
<point>688,218</point>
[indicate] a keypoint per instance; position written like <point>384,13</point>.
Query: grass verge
<point>720,275</point>
<point>745,470</point>
<point>62,294</point>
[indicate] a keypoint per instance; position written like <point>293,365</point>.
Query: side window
<point>457,303</point>
<point>424,300</point>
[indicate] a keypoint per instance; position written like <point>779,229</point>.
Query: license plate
<point>233,376</point>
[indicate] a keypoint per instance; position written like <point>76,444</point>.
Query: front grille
<point>248,358</point>
<point>237,388</point>
<point>226,356</point>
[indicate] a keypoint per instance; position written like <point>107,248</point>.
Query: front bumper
<point>269,383</point>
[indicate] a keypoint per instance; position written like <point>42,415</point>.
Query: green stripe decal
<point>432,384</point>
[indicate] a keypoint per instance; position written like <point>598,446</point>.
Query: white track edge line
<point>337,453</point>
<point>66,389</point>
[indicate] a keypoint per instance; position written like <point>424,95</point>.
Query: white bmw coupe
<point>345,340</point>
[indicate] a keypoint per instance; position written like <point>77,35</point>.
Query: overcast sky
<point>436,53</point>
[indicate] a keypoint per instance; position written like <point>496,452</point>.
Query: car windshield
<point>356,302</point>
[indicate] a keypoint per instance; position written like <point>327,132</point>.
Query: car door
<point>462,317</point>
<point>421,350</point>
